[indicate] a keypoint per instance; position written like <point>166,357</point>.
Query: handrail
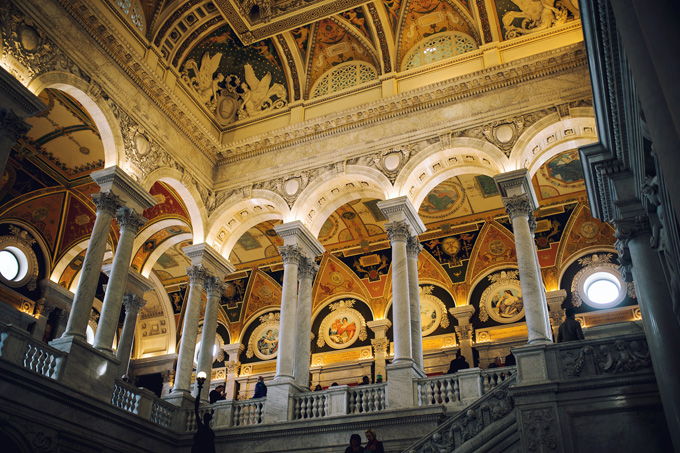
<point>366,398</point>
<point>444,389</point>
<point>468,423</point>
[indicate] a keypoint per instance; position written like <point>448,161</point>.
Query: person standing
<point>459,363</point>
<point>260,388</point>
<point>217,394</point>
<point>372,442</point>
<point>570,329</point>
<point>354,444</point>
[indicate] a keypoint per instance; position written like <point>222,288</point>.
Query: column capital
<point>413,247</point>
<point>401,209</point>
<point>465,332</point>
<point>197,275</point>
<point>12,125</point>
<point>107,201</point>
<point>214,287</point>
<point>133,303</point>
<point>295,233</point>
<point>463,313</point>
<point>308,269</point>
<point>233,349</point>
<point>290,254</point>
<point>128,219</point>
<point>211,260</point>
<point>519,206</point>
<point>379,326</point>
<point>233,367</point>
<point>380,345</point>
<point>514,183</point>
<point>114,179</point>
<point>625,230</point>
<point>398,231</point>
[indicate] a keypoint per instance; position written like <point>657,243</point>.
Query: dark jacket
<point>570,330</point>
<point>260,390</point>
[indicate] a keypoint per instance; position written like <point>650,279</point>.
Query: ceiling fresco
<point>64,137</point>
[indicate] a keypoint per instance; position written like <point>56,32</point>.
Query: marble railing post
<point>17,102</point>
<point>306,272</point>
<point>465,331</point>
<point>520,202</point>
<point>413,249</point>
<point>54,297</point>
<point>380,345</point>
<point>641,264</point>
<point>233,368</point>
<point>130,223</point>
<point>399,234</point>
<point>107,205</point>
<point>185,360</point>
<point>214,287</point>
<point>133,303</point>
<point>555,300</point>
<point>284,360</point>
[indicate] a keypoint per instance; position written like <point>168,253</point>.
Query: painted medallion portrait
<point>432,311</point>
<point>264,341</point>
<point>342,327</point>
<point>502,300</point>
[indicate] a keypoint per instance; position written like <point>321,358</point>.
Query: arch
<point>581,253</point>
<point>252,319</point>
<point>99,110</point>
<point>160,250</point>
<point>548,137</point>
<point>330,191</point>
<point>150,230</point>
<point>190,196</point>
<point>237,215</point>
<point>435,164</point>
<point>66,259</point>
<point>171,334</point>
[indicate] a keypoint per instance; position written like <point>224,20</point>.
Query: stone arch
<point>436,164</point>
<point>160,250</point>
<point>171,333</point>
<point>237,215</point>
<point>99,110</point>
<point>190,196</point>
<point>548,137</point>
<point>331,190</point>
<point>65,260</point>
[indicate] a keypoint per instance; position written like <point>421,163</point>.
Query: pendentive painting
<point>342,326</point>
<point>264,341</point>
<point>502,301</point>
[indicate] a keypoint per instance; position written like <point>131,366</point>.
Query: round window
<point>9,265</point>
<point>602,287</point>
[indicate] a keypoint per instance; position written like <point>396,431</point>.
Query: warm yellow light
<point>201,375</point>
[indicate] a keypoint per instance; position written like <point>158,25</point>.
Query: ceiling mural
<point>260,243</point>
<point>64,137</point>
<point>352,223</point>
<point>151,244</point>
<point>235,82</point>
<point>522,17</point>
<point>171,266</point>
<point>170,205</point>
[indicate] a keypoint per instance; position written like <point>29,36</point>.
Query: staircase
<point>487,425</point>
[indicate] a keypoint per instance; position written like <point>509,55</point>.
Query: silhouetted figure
<point>365,381</point>
<point>318,388</point>
<point>354,444</point>
<point>204,439</point>
<point>510,359</point>
<point>260,388</point>
<point>496,363</point>
<point>570,329</point>
<point>217,394</point>
<point>459,363</point>
<point>378,379</point>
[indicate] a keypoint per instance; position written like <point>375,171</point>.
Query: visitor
<point>497,363</point>
<point>365,381</point>
<point>204,439</point>
<point>318,388</point>
<point>378,379</point>
<point>354,444</point>
<point>260,388</point>
<point>459,363</point>
<point>217,394</point>
<point>510,359</point>
<point>372,443</point>
<point>570,329</point>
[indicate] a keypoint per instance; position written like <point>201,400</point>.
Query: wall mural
<point>235,82</point>
<point>264,341</point>
<point>432,311</point>
<point>521,17</point>
<point>502,300</point>
<point>342,327</point>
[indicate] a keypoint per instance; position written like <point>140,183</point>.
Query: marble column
<point>284,360</point>
<point>306,272</point>
<point>381,345</point>
<point>185,360</point>
<point>133,303</point>
<point>17,103</point>
<point>520,202</point>
<point>641,264</point>
<point>399,234</point>
<point>107,205</point>
<point>557,316</point>
<point>413,249</point>
<point>464,331</point>
<point>214,288</point>
<point>130,223</point>
<point>233,351</point>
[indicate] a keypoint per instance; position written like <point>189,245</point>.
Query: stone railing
<point>467,424</point>
<point>366,398</point>
<point>162,413</point>
<point>310,405</point>
<point>18,347</point>
<point>438,390</point>
<point>493,377</point>
<point>126,397</point>
<point>248,412</point>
